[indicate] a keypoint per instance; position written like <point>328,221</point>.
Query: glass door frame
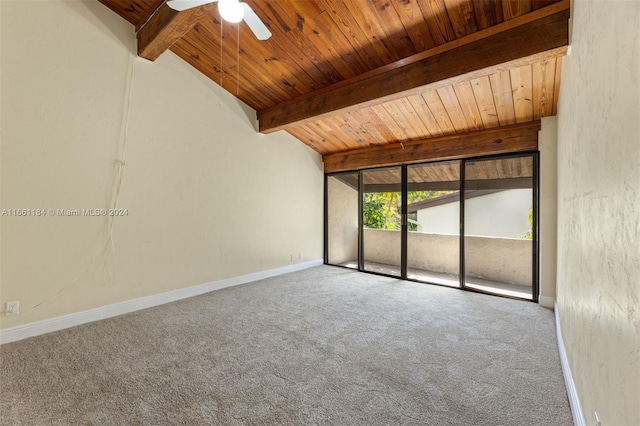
<point>401,189</point>
<point>535,285</point>
<point>535,187</point>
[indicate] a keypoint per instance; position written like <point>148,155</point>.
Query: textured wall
<point>548,218</point>
<point>598,283</point>
<point>506,260</point>
<point>382,246</point>
<point>207,197</point>
<point>342,222</point>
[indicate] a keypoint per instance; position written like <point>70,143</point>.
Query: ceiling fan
<point>232,11</point>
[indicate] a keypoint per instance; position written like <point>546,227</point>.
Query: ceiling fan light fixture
<point>231,10</point>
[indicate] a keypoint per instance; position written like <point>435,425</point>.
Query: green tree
<point>373,211</point>
<point>529,234</point>
<point>381,210</point>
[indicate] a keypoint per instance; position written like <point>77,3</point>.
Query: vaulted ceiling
<point>373,82</point>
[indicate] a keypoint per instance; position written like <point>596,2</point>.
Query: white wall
<point>207,197</point>
<point>501,214</point>
<point>442,219</point>
<point>548,218</point>
<point>342,221</point>
<point>598,282</point>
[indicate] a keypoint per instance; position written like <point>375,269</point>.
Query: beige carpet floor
<point>322,346</point>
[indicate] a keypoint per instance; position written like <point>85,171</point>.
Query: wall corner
<point>548,220</point>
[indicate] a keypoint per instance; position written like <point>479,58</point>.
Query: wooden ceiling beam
<point>522,40</point>
<point>501,140</point>
<point>166,26</point>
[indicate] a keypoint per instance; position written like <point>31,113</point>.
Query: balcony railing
<point>502,260</point>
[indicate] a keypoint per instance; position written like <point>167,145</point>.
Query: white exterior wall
<point>502,214</point>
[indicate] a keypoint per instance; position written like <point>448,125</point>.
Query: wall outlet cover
<point>13,308</point>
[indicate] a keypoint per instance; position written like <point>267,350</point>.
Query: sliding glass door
<point>467,223</point>
<point>382,220</point>
<point>499,225</point>
<point>433,223</point>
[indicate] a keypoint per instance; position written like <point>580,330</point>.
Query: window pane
<point>433,207</point>
<point>498,214</point>
<point>382,220</point>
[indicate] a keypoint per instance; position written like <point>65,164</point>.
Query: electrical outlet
<point>300,256</point>
<point>291,258</point>
<point>13,308</point>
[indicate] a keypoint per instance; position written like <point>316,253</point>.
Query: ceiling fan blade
<point>255,23</point>
<point>181,5</point>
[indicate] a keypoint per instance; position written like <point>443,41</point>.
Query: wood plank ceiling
<point>496,173</point>
<point>361,78</point>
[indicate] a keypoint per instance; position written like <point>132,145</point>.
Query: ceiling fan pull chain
<point>221,68</point>
<point>238,61</point>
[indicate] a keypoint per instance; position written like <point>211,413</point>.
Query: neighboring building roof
<point>449,198</point>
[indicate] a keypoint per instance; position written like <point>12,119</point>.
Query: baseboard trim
<point>572,392</point>
<point>59,323</point>
<point>547,302</point>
